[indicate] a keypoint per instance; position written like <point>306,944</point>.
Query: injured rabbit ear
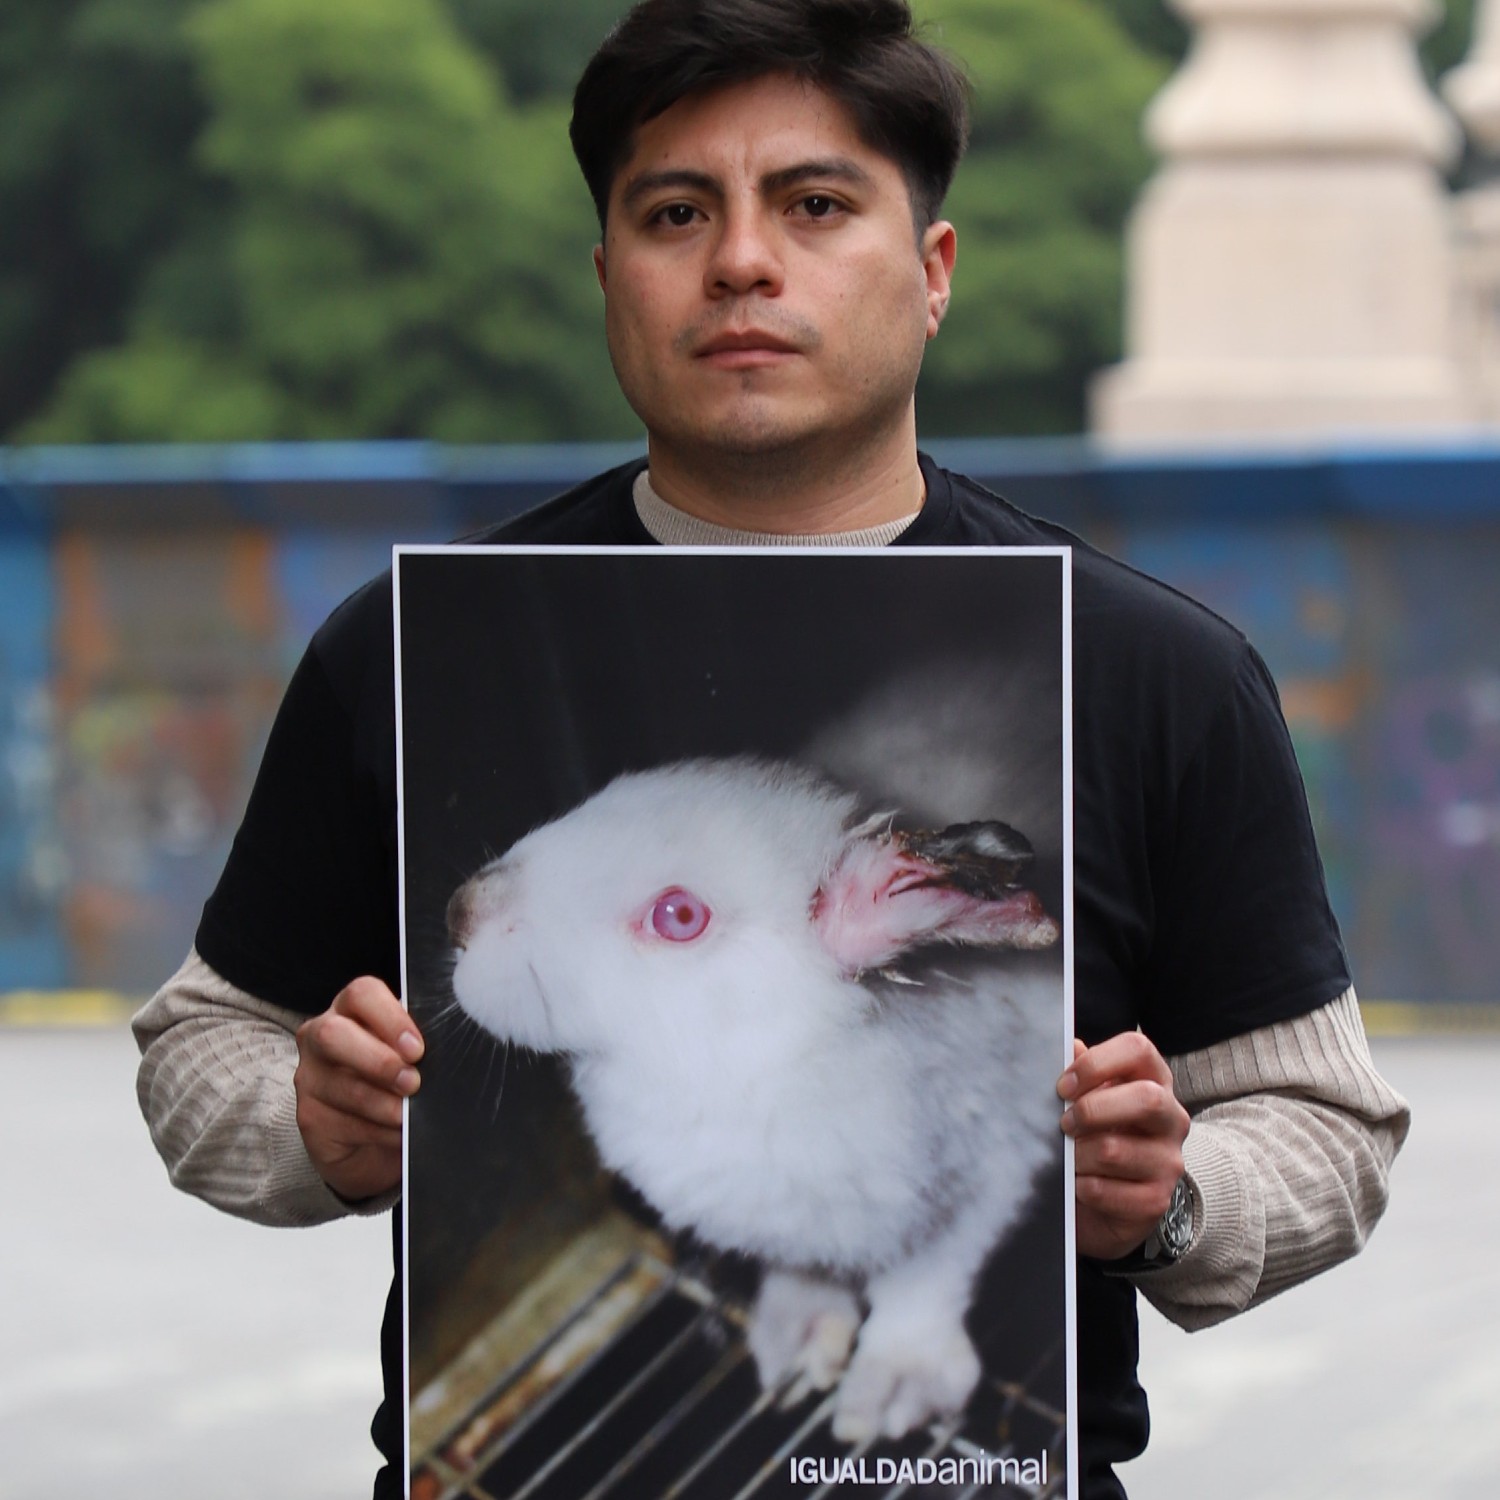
<point>891,892</point>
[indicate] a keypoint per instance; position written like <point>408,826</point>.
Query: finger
<point>354,1097</point>
<point>1120,1059</point>
<point>335,1131</point>
<point>1067,1085</point>
<point>372,1003</point>
<point>334,1041</point>
<point>1128,1159</point>
<point>1142,1108</point>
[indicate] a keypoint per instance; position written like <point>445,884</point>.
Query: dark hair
<point>907,101</point>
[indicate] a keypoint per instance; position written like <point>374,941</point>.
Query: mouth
<point>749,350</point>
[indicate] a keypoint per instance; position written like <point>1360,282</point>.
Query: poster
<point>736,915</point>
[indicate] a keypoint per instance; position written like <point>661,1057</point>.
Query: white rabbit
<point>789,1029</point>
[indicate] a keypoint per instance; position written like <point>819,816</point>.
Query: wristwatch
<point>1173,1235</point>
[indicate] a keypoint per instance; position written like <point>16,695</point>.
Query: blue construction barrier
<point>153,601</point>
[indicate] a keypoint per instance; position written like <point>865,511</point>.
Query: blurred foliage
<point>537,57</point>
<point>1157,26</point>
<point>360,218</point>
<point>404,253</point>
<point>1446,45</point>
<point>1055,160</point>
<point>98,115</point>
<point>1152,25</point>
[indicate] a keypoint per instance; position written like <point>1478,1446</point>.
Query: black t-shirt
<point>1199,902</point>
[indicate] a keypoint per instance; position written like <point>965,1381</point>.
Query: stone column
<point>1474,92</point>
<point>1290,266</point>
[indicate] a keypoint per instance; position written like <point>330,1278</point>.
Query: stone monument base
<point>1193,401</point>
<point>1297,295</point>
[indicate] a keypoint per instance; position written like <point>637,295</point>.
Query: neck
<point>800,491</point>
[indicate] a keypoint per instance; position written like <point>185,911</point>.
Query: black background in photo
<point>528,682</point>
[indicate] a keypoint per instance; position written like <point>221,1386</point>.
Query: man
<point>768,175</point>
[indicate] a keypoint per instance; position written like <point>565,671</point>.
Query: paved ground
<point>154,1348</point>
<point>1381,1381</point>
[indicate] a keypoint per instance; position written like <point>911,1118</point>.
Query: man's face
<point>764,289</point>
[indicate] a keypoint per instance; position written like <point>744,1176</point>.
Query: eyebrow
<point>825,169</point>
<point>830,168</point>
<point>652,182</point>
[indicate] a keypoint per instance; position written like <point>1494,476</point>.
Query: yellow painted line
<point>84,1008</point>
<point>65,1008</point>
<point>1386,1018</point>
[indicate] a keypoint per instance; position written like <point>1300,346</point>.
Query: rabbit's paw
<point>801,1332</point>
<point>895,1383</point>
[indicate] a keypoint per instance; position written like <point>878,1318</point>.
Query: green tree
<point>98,114</point>
<point>1153,25</point>
<point>538,55</point>
<point>1055,162</point>
<point>359,218</point>
<point>406,254</point>
<point>1447,44</point>
<point>1158,27</point>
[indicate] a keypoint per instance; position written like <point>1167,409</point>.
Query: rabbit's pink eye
<point>679,916</point>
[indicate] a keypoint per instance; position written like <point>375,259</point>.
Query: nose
<point>473,903</point>
<point>745,258</point>
<point>461,915</point>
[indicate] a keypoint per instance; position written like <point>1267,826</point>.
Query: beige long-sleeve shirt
<point>1293,1133</point>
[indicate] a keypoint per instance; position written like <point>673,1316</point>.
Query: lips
<point>745,349</point>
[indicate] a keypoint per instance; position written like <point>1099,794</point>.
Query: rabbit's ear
<point>891,892</point>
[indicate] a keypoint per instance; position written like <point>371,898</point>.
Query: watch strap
<point>1171,1237</point>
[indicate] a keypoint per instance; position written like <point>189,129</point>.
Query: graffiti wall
<point>1385,642</point>
<point>33,874</point>
<point>147,628</point>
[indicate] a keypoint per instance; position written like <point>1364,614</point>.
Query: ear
<point>892,892</point>
<point>939,252</point>
<point>599,266</point>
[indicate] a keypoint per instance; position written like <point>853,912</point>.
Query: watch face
<point>1177,1223</point>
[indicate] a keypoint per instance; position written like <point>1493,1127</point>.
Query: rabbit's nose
<point>480,899</point>
<point>461,915</point>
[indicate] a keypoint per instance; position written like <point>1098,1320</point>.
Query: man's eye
<point>678,215</point>
<point>817,206</point>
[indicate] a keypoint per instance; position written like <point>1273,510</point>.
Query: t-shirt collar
<point>671,527</point>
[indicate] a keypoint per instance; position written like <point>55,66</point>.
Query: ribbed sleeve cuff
<point>292,1188</point>
<point>1293,1132</point>
<point>1218,1276</point>
<point>216,1087</point>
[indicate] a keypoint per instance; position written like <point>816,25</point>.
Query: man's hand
<point>1128,1129</point>
<point>354,1069</point>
